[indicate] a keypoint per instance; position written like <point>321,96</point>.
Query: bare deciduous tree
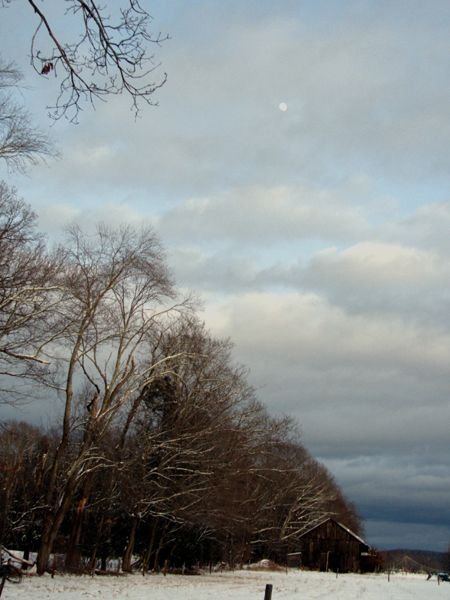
<point>28,296</point>
<point>21,144</point>
<point>176,438</point>
<point>118,299</point>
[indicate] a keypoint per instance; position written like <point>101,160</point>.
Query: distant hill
<point>415,560</point>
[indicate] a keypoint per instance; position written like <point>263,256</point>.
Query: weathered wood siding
<point>331,547</point>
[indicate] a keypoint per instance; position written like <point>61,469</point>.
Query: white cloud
<point>353,381</point>
<point>308,329</point>
<point>380,265</point>
<point>260,215</point>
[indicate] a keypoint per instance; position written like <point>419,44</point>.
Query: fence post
<point>268,592</point>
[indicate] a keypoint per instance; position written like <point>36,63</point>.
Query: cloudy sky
<point>296,170</point>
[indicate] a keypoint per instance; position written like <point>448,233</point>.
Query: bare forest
<point>162,450</point>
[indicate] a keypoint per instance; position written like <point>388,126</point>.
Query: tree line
<point>162,448</point>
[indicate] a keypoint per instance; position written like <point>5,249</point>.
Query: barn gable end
<point>332,546</point>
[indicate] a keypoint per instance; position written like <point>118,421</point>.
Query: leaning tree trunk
<point>52,525</point>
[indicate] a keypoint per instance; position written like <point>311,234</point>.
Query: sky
<point>296,170</point>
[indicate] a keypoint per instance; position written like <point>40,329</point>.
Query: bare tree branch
<point>28,294</point>
<point>111,55</point>
<point>21,144</point>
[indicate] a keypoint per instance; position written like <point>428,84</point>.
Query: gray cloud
<point>261,216</point>
<point>385,279</point>
<point>371,92</point>
<point>403,492</point>
<point>371,394</point>
<point>428,226</point>
<point>400,534</point>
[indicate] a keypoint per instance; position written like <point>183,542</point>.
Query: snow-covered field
<point>238,585</point>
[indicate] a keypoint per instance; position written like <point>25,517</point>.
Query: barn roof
<point>349,531</point>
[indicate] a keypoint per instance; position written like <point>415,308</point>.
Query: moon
<point>283,106</point>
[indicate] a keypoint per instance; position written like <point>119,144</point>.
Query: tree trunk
<point>73,551</point>
<point>93,560</point>
<point>73,554</point>
<point>156,566</point>
<point>149,549</point>
<point>128,554</point>
<point>44,553</point>
<point>51,529</point>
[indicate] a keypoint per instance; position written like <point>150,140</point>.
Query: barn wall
<point>331,547</point>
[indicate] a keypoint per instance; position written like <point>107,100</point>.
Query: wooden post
<point>268,592</point>
<point>166,567</point>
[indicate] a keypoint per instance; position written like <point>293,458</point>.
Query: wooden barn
<point>333,546</point>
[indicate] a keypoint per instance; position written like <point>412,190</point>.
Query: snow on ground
<point>238,585</point>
